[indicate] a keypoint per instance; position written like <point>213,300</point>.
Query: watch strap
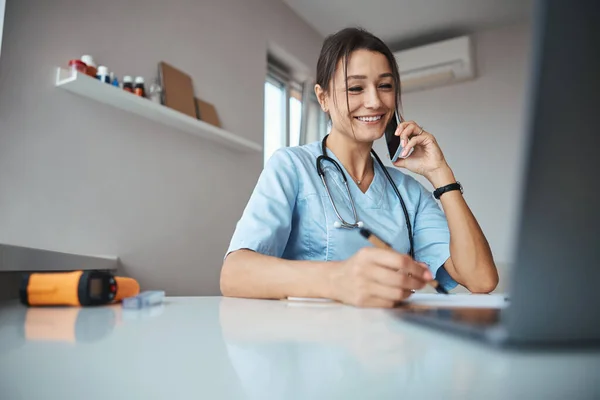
<point>441,190</point>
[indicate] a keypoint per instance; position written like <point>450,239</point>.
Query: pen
<point>370,236</point>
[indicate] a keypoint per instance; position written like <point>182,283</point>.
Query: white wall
<point>78,176</point>
<point>480,126</point>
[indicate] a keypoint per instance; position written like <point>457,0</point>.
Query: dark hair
<point>340,45</point>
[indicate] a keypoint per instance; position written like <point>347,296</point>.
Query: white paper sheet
<point>459,300</point>
<point>310,299</point>
<point>435,300</point>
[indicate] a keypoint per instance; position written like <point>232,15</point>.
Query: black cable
<point>389,178</point>
<point>408,224</point>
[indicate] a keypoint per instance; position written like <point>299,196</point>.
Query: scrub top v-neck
<point>289,214</point>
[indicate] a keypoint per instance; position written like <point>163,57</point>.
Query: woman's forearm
<point>249,274</point>
<point>471,263</point>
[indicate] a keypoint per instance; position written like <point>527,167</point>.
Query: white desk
<point>222,348</point>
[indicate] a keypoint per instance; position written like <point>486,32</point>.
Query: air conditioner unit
<point>436,64</point>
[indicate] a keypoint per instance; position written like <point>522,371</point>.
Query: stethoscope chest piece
<point>338,225</point>
<point>341,223</point>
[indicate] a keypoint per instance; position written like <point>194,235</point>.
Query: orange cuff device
<point>77,288</point>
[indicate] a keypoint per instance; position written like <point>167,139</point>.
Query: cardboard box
<point>206,112</point>
<point>178,91</point>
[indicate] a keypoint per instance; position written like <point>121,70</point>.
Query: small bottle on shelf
<point>139,88</point>
<point>91,66</point>
<point>155,93</point>
<point>128,83</point>
<point>102,74</point>
<point>77,66</point>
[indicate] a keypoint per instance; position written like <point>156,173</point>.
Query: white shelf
<point>89,87</point>
<point>19,258</point>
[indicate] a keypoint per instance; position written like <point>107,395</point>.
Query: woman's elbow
<point>486,283</point>
<point>225,280</point>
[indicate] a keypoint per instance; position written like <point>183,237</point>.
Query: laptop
<point>554,295</point>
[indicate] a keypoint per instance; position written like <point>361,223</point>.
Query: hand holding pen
<point>377,277</point>
<point>370,236</point>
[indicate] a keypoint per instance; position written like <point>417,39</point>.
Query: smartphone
<point>393,141</point>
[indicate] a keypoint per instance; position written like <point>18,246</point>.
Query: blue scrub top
<point>289,214</point>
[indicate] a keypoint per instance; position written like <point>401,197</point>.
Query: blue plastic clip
<point>145,299</point>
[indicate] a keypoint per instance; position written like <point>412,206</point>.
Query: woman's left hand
<point>427,157</point>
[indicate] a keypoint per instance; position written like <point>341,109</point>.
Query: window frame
<point>281,77</point>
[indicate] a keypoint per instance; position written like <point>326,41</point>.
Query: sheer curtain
<point>292,115</point>
<point>314,121</point>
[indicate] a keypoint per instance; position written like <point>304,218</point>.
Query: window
<point>292,113</point>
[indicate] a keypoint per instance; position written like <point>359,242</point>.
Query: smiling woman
<point>292,241</point>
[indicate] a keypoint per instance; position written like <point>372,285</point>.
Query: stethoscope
<point>358,224</point>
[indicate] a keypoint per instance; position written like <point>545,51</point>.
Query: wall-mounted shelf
<point>19,258</point>
<point>89,87</point>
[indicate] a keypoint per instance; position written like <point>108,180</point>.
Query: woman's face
<point>371,96</point>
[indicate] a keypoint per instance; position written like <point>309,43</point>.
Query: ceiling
<point>407,23</point>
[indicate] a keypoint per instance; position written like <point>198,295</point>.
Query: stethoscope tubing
<point>344,224</point>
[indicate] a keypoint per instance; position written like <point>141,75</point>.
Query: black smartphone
<point>393,141</point>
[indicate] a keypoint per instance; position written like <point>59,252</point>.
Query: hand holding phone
<point>393,141</point>
<point>423,153</point>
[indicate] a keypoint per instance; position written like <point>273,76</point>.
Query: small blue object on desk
<point>145,299</point>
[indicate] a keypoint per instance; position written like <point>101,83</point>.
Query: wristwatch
<point>441,190</point>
